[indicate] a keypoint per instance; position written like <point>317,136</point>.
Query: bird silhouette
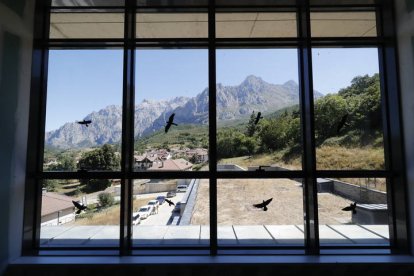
<point>169,202</point>
<point>258,117</point>
<point>170,122</point>
<point>263,204</point>
<point>260,169</point>
<point>342,123</point>
<point>79,206</point>
<point>85,122</point>
<point>351,207</point>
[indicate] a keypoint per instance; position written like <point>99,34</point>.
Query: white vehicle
<point>136,218</point>
<point>155,204</point>
<point>145,211</point>
<point>181,188</point>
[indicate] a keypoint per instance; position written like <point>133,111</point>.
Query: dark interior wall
<point>16,26</point>
<point>16,18</point>
<point>405,36</point>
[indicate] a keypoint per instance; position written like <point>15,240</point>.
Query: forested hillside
<point>348,127</point>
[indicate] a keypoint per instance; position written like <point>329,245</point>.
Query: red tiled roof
<point>173,165</point>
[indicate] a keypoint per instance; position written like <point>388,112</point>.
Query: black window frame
<point>304,42</point>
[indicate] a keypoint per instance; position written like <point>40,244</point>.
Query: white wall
<point>405,36</point>
<point>16,24</point>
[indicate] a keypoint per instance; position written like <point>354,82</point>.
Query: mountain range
<point>233,102</point>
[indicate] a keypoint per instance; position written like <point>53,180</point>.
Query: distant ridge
<point>233,102</point>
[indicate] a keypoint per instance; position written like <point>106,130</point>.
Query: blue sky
<point>82,81</point>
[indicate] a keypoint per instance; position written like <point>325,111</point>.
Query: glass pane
<point>80,213</point>
<point>255,24</point>
<point>348,118</point>
<point>86,25</point>
<point>171,113</point>
<point>94,3</point>
<point>278,222</point>
<point>172,25</point>
<point>84,110</point>
<point>258,118</point>
<point>353,211</point>
<point>168,4</point>
<point>255,3</point>
<point>171,212</point>
<point>343,24</point>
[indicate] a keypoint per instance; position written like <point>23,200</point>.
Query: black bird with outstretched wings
<point>258,117</point>
<point>170,122</point>
<point>342,123</point>
<point>263,204</point>
<point>351,207</point>
<point>79,206</point>
<point>85,122</point>
<point>169,202</point>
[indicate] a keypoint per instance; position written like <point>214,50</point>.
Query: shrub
<point>106,199</point>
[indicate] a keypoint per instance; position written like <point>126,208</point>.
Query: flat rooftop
<point>198,235</point>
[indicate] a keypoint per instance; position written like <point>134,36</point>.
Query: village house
<point>144,162</point>
<point>198,155</point>
<point>173,165</point>
<point>56,209</point>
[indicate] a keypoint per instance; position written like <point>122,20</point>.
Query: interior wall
<point>405,36</point>
<point>16,17</point>
<point>16,28</point>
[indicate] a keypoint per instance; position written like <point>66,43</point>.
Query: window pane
<point>255,3</point>
<point>94,3</point>
<point>240,223</point>
<point>348,118</point>
<point>84,110</point>
<point>172,25</point>
<point>86,25</point>
<point>80,213</point>
<point>171,212</point>
<point>171,90</point>
<point>343,24</point>
<point>365,223</point>
<point>255,24</point>
<point>168,4</point>
<point>258,118</point>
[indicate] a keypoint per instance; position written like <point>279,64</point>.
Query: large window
<point>203,129</point>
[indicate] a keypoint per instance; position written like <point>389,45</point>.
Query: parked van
<point>181,188</point>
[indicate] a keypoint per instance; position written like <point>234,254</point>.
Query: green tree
<point>50,185</point>
<point>94,185</point>
<point>104,159</point>
<point>232,143</point>
<point>251,127</point>
<point>106,199</point>
<point>329,111</point>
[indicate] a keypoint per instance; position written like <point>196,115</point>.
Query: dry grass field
<point>235,199</point>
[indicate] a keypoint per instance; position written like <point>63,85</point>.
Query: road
<point>164,211</point>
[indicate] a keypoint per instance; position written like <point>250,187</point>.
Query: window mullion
<point>393,136</point>
<point>128,108</point>
<point>309,157</point>
<point>212,126</point>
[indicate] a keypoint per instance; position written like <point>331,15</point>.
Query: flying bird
<point>342,123</point>
<point>263,204</point>
<point>351,207</point>
<point>169,202</point>
<point>258,117</point>
<point>170,122</point>
<point>85,122</point>
<point>79,206</point>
